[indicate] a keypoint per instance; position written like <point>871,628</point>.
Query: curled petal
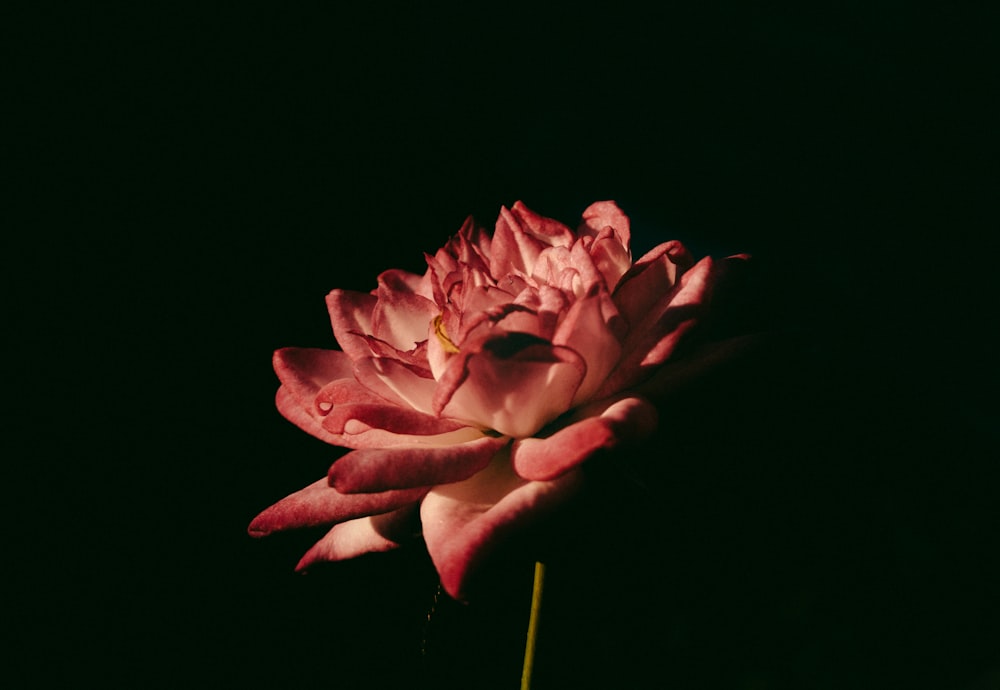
<point>611,233</point>
<point>611,258</point>
<point>320,504</point>
<point>371,534</point>
<point>404,281</point>
<point>613,422</point>
<point>380,469</point>
<point>606,214</point>
<point>465,522</point>
<point>551,232</point>
<point>588,277</point>
<point>514,383</point>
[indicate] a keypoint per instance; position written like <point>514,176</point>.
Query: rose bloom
<point>471,394</point>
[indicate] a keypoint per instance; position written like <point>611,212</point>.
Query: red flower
<point>472,393</point>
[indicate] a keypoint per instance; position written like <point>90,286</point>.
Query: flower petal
<point>397,381</point>
<point>303,373</point>
<point>650,278</point>
<point>464,523</point>
<point>372,425</point>
<point>305,370</point>
<point>512,250</point>
<point>351,317</point>
<point>659,333</point>
<point>586,330</point>
<point>320,504</point>
<point>381,469</point>
<point>606,214</point>
<point>400,317</point>
<point>303,416</point>
<point>667,323</point>
<point>609,228</point>
<point>388,417</point>
<point>514,383</point>
<point>613,422</point>
<point>372,534</point>
<point>551,232</point>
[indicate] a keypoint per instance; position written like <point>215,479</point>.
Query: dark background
<point>189,183</point>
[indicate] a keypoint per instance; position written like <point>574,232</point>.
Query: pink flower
<point>473,393</point>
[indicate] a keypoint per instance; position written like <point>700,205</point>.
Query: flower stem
<point>536,608</point>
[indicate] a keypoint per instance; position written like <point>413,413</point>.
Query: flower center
<point>442,335</point>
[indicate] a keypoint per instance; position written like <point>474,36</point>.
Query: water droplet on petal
<point>353,426</point>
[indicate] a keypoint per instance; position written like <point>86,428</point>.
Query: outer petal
<point>370,534</point>
<point>652,276</point>
<point>615,422</point>
<point>379,469</point>
<point>514,383</point>
<point>304,417</point>
<point>305,370</point>
<point>372,425</point>
<point>351,317</point>
<point>320,504</point>
<point>658,334</point>
<point>303,373</point>
<point>464,523</point>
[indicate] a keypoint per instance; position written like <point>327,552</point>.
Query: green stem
<point>536,609</point>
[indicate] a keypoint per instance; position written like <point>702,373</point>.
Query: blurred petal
<point>379,469</point>
<point>320,504</point>
<point>626,420</point>
<point>464,523</point>
<point>514,383</point>
<point>372,534</point>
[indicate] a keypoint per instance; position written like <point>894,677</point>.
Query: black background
<point>188,184</point>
